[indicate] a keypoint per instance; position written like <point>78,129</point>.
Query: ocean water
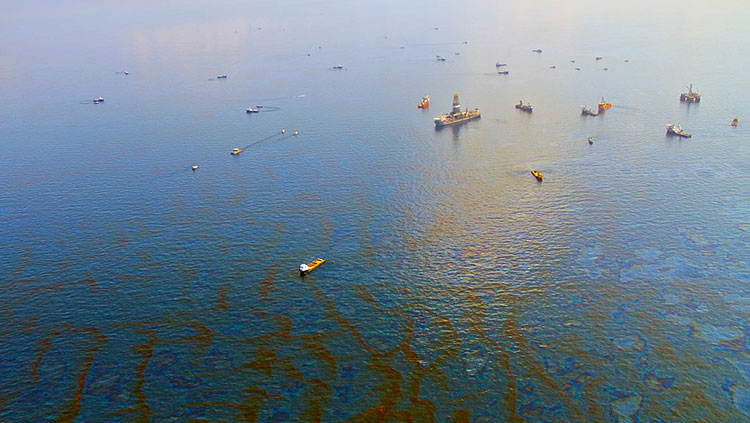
<point>457,288</point>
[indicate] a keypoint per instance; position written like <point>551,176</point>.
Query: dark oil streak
<point>147,351</point>
<point>44,346</point>
<point>422,408</point>
<point>594,411</point>
<point>73,407</point>
<point>510,400</point>
<point>461,416</point>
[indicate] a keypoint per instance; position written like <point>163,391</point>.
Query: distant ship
<point>676,129</point>
<point>527,107</point>
<point>603,105</point>
<point>456,115</point>
<point>588,112</point>
<point>425,103</point>
<point>690,96</point>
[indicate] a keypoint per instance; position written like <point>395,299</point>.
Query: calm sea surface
<point>457,288</point>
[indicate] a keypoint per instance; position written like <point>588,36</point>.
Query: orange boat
<point>537,175</point>
<point>425,103</point>
<point>735,121</point>
<point>603,105</point>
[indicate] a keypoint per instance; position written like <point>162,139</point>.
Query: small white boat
<point>440,59</point>
<point>338,67</point>
<point>221,77</point>
<point>537,50</point>
<point>503,72</point>
<point>98,100</point>
<point>251,110</point>
<point>500,65</point>
<point>194,167</point>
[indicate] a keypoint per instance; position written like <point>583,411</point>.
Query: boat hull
<point>441,123</point>
<point>311,266</point>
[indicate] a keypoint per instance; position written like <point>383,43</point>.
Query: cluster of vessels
<point>457,116</point>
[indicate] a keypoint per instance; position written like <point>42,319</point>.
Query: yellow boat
<point>236,151</point>
<point>309,267</point>
<point>537,175</point>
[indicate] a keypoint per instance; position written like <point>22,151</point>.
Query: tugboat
<point>251,110</point>
<point>528,107</point>
<point>425,103</point>
<point>537,50</point>
<point>735,121</point>
<point>603,105</point>
<point>236,151</point>
<point>456,115</point>
<point>676,129</point>
<point>690,96</point>
<point>537,175</point>
<point>309,267</point>
<point>588,112</point>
